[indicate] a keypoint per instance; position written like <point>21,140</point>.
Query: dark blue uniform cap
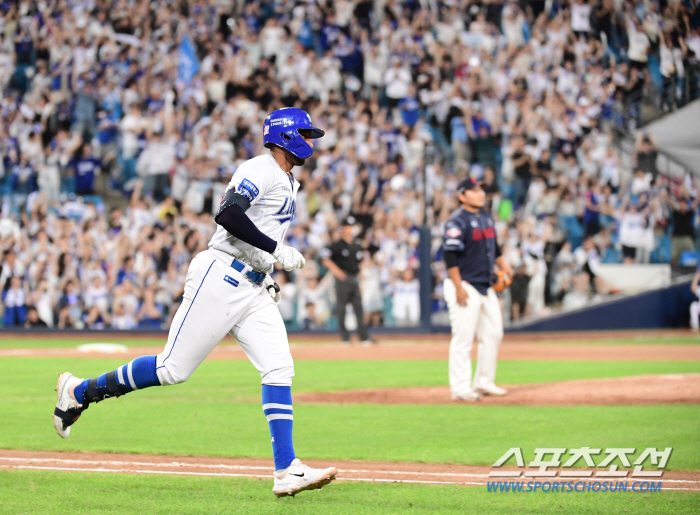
<point>467,184</point>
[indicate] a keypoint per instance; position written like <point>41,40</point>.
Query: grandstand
<point>122,123</point>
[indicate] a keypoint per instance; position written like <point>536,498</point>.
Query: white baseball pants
<point>220,300</point>
<point>481,317</point>
<point>695,314</point>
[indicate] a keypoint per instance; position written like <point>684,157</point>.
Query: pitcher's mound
<point>653,389</point>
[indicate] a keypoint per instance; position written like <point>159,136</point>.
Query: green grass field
<point>217,413</point>
<point>55,492</point>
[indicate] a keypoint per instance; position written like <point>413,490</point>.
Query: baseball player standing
<point>470,251</point>
<point>228,290</point>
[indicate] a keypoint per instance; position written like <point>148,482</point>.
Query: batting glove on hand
<point>289,257</point>
<point>272,288</point>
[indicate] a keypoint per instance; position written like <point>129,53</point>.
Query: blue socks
<point>277,406</point>
<point>139,374</point>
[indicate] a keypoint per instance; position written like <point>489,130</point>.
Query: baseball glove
<point>501,281</point>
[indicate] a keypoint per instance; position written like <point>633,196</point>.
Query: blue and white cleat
<point>298,477</point>
<point>67,408</point>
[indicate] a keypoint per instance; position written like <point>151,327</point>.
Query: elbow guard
<point>232,198</point>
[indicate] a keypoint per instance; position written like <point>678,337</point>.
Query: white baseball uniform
<point>219,299</point>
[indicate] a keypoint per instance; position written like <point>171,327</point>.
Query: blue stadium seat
<point>655,71</point>
<point>95,199</point>
<point>573,230</point>
<point>388,311</point>
<point>688,258</point>
<point>67,184</point>
<point>6,184</point>
<point>293,324</point>
<point>508,191</point>
<point>662,253</point>
<point>610,255</point>
<point>332,323</point>
<point>606,220</point>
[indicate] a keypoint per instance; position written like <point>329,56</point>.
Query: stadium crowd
<point>159,102</point>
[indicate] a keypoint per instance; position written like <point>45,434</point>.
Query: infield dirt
<point>516,350</point>
<point>650,389</point>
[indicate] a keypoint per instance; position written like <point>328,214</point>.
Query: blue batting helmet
<point>281,128</point>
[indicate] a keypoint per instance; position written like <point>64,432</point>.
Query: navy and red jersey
<point>470,243</point>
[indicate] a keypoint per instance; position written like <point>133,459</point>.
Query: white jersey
<point>272,195</point>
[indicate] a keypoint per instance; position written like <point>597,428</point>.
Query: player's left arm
<point>248,185</point>
<point>231,216</point>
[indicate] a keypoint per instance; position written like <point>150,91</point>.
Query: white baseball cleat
<point>67,408</point>
<point>468,397</point>
<point>494,390</point>
<point>298,477</point>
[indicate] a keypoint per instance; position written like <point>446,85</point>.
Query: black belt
<point>256,277</point>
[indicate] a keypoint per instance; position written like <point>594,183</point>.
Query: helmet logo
<point>282,121</point>
<point>266,130</point>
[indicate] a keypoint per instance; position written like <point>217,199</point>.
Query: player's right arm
<point>453,251</point>
<point>456,277</point>
<point>244,191</point>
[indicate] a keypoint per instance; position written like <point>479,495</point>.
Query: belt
<point>256,277</point>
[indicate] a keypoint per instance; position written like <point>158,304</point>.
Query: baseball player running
<point>470,251</point>
<point>228,289</point>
